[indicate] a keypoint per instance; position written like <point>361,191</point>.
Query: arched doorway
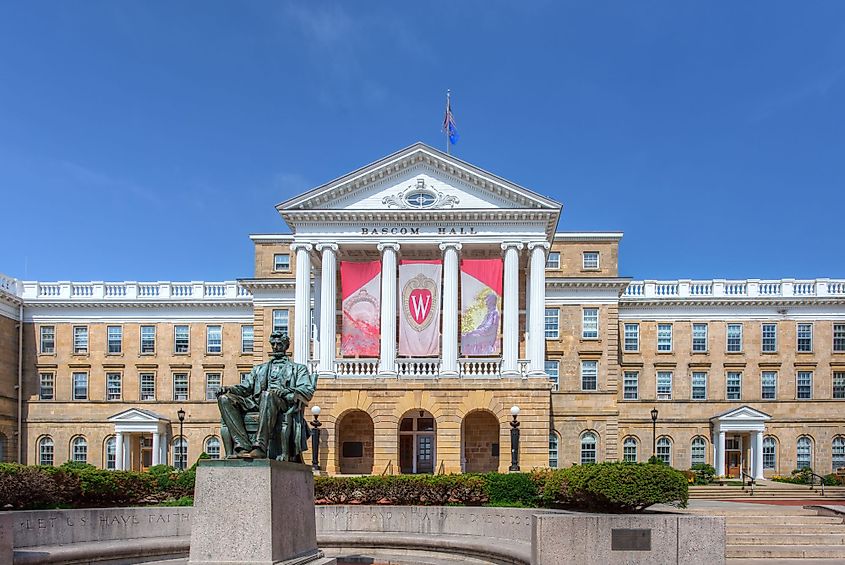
<point>355,440</point>
<point>480,440</point>
<point>417,442</point>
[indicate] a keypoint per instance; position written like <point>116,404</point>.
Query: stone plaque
<point>622,539</point>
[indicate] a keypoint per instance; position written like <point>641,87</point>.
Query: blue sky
<point>146,140</point>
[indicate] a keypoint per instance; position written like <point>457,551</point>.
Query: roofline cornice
<point>617,283</point>
<point>588,236</point>
<point>271,237</point>
<point>251,284</point>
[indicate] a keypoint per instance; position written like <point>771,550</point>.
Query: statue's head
<point>279,342</point>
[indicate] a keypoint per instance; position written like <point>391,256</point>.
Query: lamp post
<point>315,438</point>
<point>654,432</point>
<point>181,415</point>
<point>514,440</point>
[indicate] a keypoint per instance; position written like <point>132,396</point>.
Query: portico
<point>140,439</point>
<point>736,433</point>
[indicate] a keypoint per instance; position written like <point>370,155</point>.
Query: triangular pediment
<point>742,414</point>
<point>137,415</point>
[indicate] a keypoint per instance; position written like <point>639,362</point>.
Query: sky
<point>147,140</point>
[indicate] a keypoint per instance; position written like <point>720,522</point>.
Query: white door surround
<point>138,421</point>
<point>740,420</point>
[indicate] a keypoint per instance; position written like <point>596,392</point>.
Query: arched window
<point>553,450</point>
<point>180,453</point>
<point>770,450</point>
<point>664,449</point>
<point>79,450</point>
<point>588,448</point>
<point>804,455</point>
<point>111,453</point>
<point>629,450</point>
<point>698,452</point>
<point>212,447</point>
<point>45,451</point>
<point>838,452</point>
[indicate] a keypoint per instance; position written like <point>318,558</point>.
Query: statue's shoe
<point>257,453</point>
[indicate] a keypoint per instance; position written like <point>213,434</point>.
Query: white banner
<point>419,308</point>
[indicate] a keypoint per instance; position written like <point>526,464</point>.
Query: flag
<point>481,306</point>
<point>360,289</point>
<point>449,126</point>
<point>419,308</point>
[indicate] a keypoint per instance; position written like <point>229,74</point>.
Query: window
<point>839,338</point>
<point>552,323</point>
<point>244,376</point>
<point>734,385</point>
<point>664,337</point>
<point>552,369</point>
<point>698,451</point>
<point>553,260</point>
<point>148,340</point>
<point>591,260</point>
<point>148,386</point>
<point>80,386</point>
<point>699,385</point>
<point>79,450</point>
<point>770,338</point>
<point>47,386</point>
<point>769,453</point>
<point>113,386</point>
<point>629,450</point>
<point>664,450</point>
<point>699,338</point>
<point>804,385</point>
<point>281,262</point>
<point>590,323</point>
<point>631,385</point>
<point>213,382</point>
<point>804,453</point>
<point>664,385</point>
<point>839,384</point>
<point>214,339</point>
<point>805,338</point>
<point>838,453</point>
<point>45,451</point>
<point>181,339</point>
<point>180,453</point>
<point>111,453</point>
<point>180,386</point>
<point>734,338</point>
<point>212,447</point>
<point>281,321</point>
<point>553,450</point>
<point>588,448</point>
<point>589,375</point>
<point>80,340</point>
<point>48,340</point>
<point>632,337</point>
<point>247,339</point>
<point>114,337</point>
<point>768,385</point>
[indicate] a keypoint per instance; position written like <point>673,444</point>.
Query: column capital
<point>327,246</point>
<point>296,246</point>
<point>518,245</point>
<point>387,245</point>
<point>447,244</point>
<point>544,244</point>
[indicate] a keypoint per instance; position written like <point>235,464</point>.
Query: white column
<point>163,450</point>
<point>328,321</point>
<point>757,472</point>
<point>537,345</point>
<point>127,452</point>
<point>156,448</point>
<point>387,358</point>
<point>302,303</point>
<point>118,451</point>
<point>449,363</point>
<point>720,455</point>
<point>316,326</point>
<point>510,326</point>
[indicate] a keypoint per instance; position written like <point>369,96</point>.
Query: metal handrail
<point>386,467</point>
<point>813,481</point>
<point>751,480</point>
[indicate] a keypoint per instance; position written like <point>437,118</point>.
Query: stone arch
<point>480,431</point>
<point>355,433</point>
<point>417,441</point>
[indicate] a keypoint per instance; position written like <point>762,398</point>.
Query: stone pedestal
<point>257,512</point>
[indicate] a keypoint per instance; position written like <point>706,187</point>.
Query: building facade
<point>744,375</point>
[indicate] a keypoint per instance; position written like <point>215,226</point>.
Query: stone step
<point>771,561</point>
<point>767,519</point>
<point>786,551</point>
<point>782,529</point>
<point>767,539</point>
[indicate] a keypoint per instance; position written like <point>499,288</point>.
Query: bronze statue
<point>273,396</point>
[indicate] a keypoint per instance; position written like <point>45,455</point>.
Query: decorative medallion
<point>419,300</point>
<point>419,196</point>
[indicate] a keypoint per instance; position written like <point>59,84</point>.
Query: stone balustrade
<point>122,291</point>
<point>721,288</point>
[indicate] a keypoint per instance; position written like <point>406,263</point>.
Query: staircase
<point>767,490</point>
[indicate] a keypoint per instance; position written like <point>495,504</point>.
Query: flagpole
<point>448,100</point>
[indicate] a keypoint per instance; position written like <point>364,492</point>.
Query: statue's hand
<point>277,392</point>
<point>289,397</point>
<point>221,391</point>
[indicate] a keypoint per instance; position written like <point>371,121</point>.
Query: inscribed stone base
<point>258,512</point>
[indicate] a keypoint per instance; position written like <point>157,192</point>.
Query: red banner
<point>419,308</point>
<point>481,306</point>
<point>360,288</point>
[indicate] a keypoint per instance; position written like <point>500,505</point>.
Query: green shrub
<point>704,473</point>
<point>511,489</point>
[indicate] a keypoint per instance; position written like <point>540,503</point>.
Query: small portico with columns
<point>738,442</point>
<point>133,429</point>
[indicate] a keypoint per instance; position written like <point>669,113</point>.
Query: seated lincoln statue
<point>263,416</point>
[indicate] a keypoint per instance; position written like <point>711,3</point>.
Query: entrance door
<point>417,446</point>
<point>425,454</point>
<point>146,451</point>
<point>406,454</point>
<point>734,462</point>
